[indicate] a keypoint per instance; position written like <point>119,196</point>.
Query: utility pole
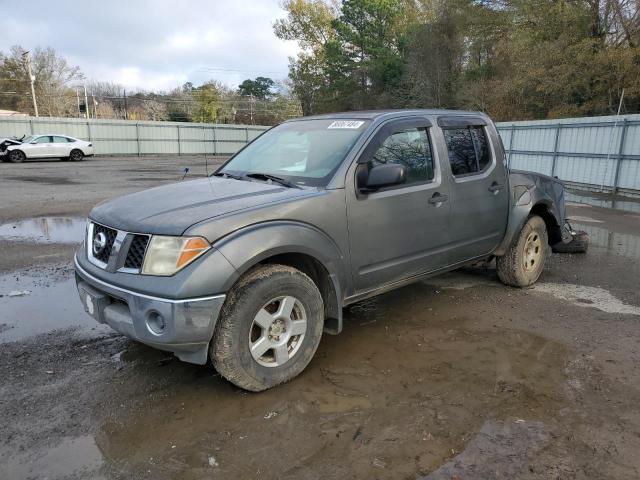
<point>95,105</point>
<point>86,102</point>
<point>78,99</point>
<point>126,117</point>
<point>251,106</point>
<point>32,80</point>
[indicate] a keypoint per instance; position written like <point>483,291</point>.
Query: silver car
<point>49,146</point>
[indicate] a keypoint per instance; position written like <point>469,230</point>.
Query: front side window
<point>409,147</point>
<point>468,150</point>
<point>304,152</point>
<point>45,139</point>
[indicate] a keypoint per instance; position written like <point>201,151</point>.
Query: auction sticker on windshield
<point>349,124</point>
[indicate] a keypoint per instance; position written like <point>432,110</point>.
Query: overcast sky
<point>156,44</point>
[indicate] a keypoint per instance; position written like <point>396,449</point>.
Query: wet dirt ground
<point>454,377</point>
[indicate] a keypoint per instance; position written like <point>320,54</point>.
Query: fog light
<point>156,323</point>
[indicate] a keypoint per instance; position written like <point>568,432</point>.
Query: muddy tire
<point>76,155</point>
<point>269,328</point>
<point>16,156</point>
<point>524,261</point>
<point>579,244</point>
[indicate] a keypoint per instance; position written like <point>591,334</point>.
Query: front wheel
<point>269,328</point>
<point>16,156</point>
<point>523,263</point>
<point>76,155</point>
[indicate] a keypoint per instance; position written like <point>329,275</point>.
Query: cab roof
<point>376,114</point>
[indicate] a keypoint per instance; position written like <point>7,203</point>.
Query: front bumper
<point>184,327</point>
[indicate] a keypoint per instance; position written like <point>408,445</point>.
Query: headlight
<point>167,255</point>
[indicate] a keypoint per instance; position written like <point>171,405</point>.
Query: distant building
<point>12,114</point>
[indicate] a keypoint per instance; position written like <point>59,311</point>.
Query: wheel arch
<point>296,244</point>
<point>539,204</point>
<point>18,149</point>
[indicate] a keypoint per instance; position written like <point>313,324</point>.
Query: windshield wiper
<point>267,176</point>
<point>228,175</point>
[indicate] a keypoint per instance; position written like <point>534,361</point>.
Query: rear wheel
<point>523,263</point>
<point>76,155</point>
<point>269,328</point>
<point>16,156</point>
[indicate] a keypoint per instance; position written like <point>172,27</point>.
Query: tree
<point>259,88</point>
<point>207,98</point>
<point>514,59</point>
<point>53,80</point>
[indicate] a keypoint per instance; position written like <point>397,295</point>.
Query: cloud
<point>156,44</point>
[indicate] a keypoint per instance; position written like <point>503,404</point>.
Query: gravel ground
<point>454,377</point>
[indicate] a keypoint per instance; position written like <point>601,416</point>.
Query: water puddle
<point>45,230</point>
<point>498,450</point>
<point>76,457</point>
<point>613,242</point>
<point>29,306</point>
<point>605,200</point>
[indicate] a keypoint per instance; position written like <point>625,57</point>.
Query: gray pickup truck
<point>248,267</point>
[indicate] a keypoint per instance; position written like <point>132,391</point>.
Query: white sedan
<point>49,146</point>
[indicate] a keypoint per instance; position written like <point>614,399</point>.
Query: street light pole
<point>32,80</point>
<point>86,102</point>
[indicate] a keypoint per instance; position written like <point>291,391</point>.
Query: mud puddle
<point>612,242</point>
<point>30,306</point>
<point>45,230</point>
<point>401,392</point>
<point>71,457</point>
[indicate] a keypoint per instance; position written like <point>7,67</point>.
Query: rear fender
<point>528,199</point>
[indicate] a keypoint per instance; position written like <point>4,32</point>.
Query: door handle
<point>437,198</point>
<point>495,188</point>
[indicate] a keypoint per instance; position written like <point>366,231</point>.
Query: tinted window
<point>45,139</point>
<point>462,153</point>
<point>468,149</point>
<point>484,154</point>
<point>410,148</point>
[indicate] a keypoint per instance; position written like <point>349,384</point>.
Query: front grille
<point>135,256</point>
<point>110,235</point>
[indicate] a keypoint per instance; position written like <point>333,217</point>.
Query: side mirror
<point>32,143</point>
<point>385,176</point>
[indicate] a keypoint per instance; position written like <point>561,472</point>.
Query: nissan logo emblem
<point>99,242</point>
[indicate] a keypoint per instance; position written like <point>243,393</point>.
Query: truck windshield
<point>304,152</point>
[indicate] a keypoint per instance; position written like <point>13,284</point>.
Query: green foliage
<point>515,59</point>
<point>259,88</point>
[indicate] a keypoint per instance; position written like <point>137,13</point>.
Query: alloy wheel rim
<point>532,251</point>
<point>277,331</point>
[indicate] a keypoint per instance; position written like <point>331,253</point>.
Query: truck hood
<point>172,209</point>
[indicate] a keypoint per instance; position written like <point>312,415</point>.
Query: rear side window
<point>60,140</point>
<point>411,148</point>
<point>468,150</point>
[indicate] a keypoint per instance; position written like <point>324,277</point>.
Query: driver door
<point>41,147</point>
<point>399,231</point>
